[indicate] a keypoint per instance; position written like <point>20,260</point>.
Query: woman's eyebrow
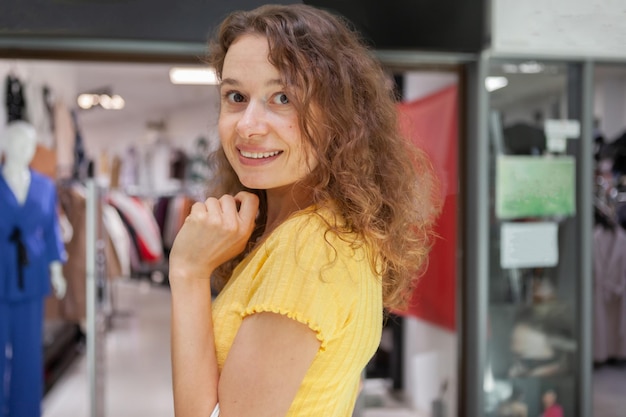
<point>230,81</point>
<point>234,82</point>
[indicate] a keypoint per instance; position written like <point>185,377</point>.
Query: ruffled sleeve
<point>306,277</point>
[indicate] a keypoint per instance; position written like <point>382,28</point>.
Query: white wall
<point>430,359</point>
<point>182,128</point>
<point>58,76</point>
<point>422,83</point>
<point>610,103</point>
<point>578,28</point>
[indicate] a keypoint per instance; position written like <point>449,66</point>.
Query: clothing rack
<point>609,269</point>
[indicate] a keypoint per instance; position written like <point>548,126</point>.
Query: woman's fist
<point>214,232</point>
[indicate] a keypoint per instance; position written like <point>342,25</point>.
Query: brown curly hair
<point>381,184</point>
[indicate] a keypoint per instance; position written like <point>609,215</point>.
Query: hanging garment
<point>119,236</point>
<point>142,225</point>
<point>160,213</point>
<point>14,99</point>
<point>80,167</point>
<point>129,170</point>
<point>609,267</point>
<point>21,328</point>
<point>30,239</point>
<point>524,139</point>
<point>178,164</point>
<point>64,136</point>
<point>73,305</point>
<point>38,114</point>
<point>198,168</point>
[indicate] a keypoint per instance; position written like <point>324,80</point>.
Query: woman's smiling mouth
<point>258,155</point>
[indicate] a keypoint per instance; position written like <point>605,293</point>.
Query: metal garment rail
<point>96,320</point>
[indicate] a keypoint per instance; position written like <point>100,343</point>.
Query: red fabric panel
<point>432,124</point>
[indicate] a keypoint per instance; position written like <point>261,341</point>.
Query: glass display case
<point>532,335</point>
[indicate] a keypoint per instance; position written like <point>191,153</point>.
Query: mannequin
<point>32,255</point>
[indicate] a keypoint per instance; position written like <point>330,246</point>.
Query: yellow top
<point>330,288</point>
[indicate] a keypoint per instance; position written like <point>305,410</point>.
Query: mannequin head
<point>20,143</point>
<point>549,398</point>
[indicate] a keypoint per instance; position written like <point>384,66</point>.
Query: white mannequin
<point>19,150</point>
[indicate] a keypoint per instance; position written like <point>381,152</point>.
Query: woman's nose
<point>253,121</point>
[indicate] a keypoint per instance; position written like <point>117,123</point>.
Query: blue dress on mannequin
<point>30,240</point>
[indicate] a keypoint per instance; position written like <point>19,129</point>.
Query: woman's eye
<point>281,98</point>
<point>235,97</point>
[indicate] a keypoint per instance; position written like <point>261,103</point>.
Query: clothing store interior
<point>125,138</point>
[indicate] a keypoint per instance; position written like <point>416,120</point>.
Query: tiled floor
<point>137,372</point>
<point>609,391</point>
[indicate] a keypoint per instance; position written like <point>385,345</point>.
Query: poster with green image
<point>535,186</point>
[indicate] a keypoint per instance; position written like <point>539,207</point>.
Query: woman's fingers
<point>214,208</point>
<point>198,208</point>
<point>228,207</point>
<point>249,206</point>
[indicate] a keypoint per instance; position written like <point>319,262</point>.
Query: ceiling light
<point>114,102</point>
<point>495,83</point>
<point>205,76</point>
<point>531,67</point>
<point>87,101</point>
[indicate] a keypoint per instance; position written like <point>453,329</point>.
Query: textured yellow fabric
<point>319,280</point>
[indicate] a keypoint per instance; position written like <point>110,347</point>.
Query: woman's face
<point>258,124</point>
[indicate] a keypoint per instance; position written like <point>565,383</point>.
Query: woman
<point>322,223</point>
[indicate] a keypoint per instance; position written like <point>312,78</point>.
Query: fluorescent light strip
<point>194,76</point>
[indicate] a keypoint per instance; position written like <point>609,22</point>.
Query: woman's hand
<point>214,232</point>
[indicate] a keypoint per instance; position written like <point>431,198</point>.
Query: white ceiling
<point>149,94</point>
<point>146,88</point>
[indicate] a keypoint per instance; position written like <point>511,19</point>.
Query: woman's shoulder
<point>318,234</point>
<point>315,223</point>
<point>322,215</point>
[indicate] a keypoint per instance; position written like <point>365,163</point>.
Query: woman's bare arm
<point>194,365</point>
<point>271,353</point>
<point>265,366</point>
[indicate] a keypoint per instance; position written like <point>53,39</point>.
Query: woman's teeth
<point>259,155</point>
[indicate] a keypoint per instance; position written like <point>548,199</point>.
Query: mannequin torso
<point>19,149</point>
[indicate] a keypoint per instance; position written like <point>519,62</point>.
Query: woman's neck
<point>282,203</point>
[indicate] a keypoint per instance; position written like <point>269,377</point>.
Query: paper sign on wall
<point>529,245</point>
<point>532,186</point>
<point>558,131</point>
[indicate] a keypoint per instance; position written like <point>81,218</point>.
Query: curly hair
<point>383,187</point>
